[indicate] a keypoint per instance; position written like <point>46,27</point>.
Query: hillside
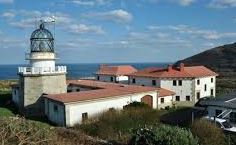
<point>222,60</point>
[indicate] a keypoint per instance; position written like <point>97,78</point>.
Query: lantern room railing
<point>42,70</point>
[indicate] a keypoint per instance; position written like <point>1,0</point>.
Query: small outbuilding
<point>93,97</point>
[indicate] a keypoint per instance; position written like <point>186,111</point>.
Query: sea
<point>74,71</point>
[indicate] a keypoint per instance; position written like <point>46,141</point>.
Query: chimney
<point>170,67</point>
<point>102,66</point>
<point>181,66</point>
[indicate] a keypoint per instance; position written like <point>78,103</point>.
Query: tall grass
<point>116,125</point>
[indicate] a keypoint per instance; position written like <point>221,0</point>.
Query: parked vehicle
<point>222,123</point>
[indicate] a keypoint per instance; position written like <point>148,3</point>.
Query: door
<point>147,100</point>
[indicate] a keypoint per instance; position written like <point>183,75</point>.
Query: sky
<point>109,31</point>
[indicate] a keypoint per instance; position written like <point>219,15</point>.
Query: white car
<point>222,123</point>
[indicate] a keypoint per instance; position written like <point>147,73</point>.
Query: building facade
<point>90,98</point>
<point>189,83</point>
<point>117,74</point>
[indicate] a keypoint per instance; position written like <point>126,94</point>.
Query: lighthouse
<point>41,76</point>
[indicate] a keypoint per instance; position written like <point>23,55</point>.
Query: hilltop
<point>221,59</point>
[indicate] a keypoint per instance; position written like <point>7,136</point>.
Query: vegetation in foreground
<point>19,131</point>
<point>163,135</point>
<point>117,127</point>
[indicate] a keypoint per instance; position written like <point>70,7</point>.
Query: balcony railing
<point>42,70</point>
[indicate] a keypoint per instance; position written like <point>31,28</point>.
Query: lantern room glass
<point>42,40</point>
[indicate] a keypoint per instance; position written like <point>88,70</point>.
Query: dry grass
<point>19,131</point>
<point>116,125</point>
<point>208,133</point>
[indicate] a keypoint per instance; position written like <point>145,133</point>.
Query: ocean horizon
<point>74,70</point>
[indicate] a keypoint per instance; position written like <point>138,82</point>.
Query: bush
<point>162,135</point>
<point>116,125</point>
<point>136,105</point>
<point>19,131</point>
<point>208,133</point>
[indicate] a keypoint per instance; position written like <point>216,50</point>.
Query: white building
<point>41,76</point>
<point>189,83</point>
<point>117,74</point>
<point>221,107</point>
<point>89,98</point>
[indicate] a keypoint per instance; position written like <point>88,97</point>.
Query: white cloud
<point>91,2</point>
<point>82,28</point>
<point>120,16</point>
<point>222,3</point>
<point>6,1</point>
<point>184,2</point>
<point>195,32</point>
<point>8,15</point>
<point>29,19</point>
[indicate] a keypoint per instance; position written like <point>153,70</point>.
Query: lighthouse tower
<point>41,76</point>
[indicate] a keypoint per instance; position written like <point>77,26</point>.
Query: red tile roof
<point>163,92</point>
<point>116,70</point>
<point>93,84</point>
<point>98,94</point>
<point>175,72</point>
<point>104,90</point>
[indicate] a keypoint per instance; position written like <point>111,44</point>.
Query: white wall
<point>107,78</point>
<point>143,81</point>
<point>167,102</point>
<point>182,91</point>
<point>15,95</point>
<point>189,86</point>
<point>201,88</point>
<point>43,63</point>
<point>74,111</point>
<point>122,79</point>
<point>53,115</point>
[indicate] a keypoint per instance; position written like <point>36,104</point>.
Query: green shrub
<point>162,135</point>
<point>116,125</point>
<point>208,133</point>
<point>136,104</point>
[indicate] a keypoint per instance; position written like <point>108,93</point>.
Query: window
<point>55,108</point>
<point>98,78</point>
<point>198,95</point>
<point>111,79</point>
<point>212,80</point>
<point>84,116</point>
<point>187,98</point>
<point>232,117</point>
<point>162,100</point>
<point>180,82</point>
<point>212,92</point>
<point>177,98</point>
<point>154,83</point>
<point>174,82</point>
<point>218,112</point>
<point>133,81</point>
<point>205,87</point>
<point>198,82</point>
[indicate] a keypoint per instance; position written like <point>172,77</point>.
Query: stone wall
<point>33,86</point>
